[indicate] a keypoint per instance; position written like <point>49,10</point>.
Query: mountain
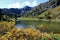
<point>32,11</point>
<point>19,12</point>
<point>42,8</point>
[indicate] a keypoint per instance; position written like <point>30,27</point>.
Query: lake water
<point>49,26</point>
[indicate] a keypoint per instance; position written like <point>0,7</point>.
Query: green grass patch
<point>21,18</point>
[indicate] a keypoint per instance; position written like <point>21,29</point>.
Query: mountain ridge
<point>42,7</point>
<point>19,11</point>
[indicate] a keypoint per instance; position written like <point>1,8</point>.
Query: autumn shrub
<point>8,32</point>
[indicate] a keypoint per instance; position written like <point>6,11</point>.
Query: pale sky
<point>19,3</point>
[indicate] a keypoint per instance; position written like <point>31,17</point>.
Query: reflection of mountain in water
<point>36,24</point>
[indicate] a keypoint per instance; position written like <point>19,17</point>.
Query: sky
<point>19,3</point>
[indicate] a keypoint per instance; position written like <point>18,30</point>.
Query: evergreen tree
<point>0,14</point>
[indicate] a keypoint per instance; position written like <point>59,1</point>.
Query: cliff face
<point>58,2</point>
<point>55,1</point>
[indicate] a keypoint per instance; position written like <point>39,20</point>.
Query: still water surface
<point>49,26</point>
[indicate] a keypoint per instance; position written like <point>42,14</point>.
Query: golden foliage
<point>8,32</point>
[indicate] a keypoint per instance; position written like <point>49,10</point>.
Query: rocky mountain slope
<point>42,8</point>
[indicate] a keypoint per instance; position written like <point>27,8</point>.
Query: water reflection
<point>50,26</point>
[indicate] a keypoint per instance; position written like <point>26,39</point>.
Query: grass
<point>51,12</point>
<point>53,20</point>
<point>26,18</point>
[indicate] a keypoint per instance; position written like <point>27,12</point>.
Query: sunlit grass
<point>26,18</point>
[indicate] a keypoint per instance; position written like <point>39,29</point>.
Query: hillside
<point>12,11</point>
<point>53,13</point>
<point>42,8</point>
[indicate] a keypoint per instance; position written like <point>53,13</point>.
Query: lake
<point>49,25</point>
